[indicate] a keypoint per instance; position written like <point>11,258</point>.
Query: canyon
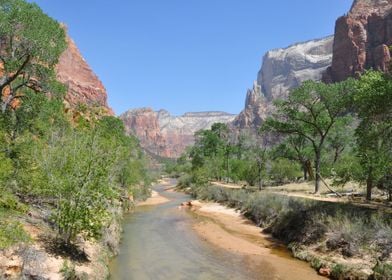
<point>361,41</point>
<point>164,135</point>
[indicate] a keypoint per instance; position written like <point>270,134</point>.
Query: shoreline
<point>227,229</point>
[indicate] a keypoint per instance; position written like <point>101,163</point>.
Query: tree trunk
<point>369,186</point>
<point>317,167</point>
<point>309,169</point>
<point>305,169</point>
<point>260,165</point>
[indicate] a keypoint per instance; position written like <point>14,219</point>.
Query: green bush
<point>383,271</point>
<point>284,170</point>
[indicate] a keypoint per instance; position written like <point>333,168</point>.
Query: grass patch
<point>11,233</point>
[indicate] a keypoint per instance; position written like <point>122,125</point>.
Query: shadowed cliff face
<point>84,87</point>
<point>362,40</point>
<point>165,135</point>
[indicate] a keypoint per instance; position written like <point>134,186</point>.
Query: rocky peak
<point>363,8</point>
<point>281,70</point>
<point>362,40</point>
<point>284,69</point>
<point>84,87</point>
<point>254,96</point>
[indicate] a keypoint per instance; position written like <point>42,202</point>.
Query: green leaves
<point>32,43</point>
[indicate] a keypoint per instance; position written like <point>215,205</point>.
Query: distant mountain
<point>165,135</point>
<point>281,71</point>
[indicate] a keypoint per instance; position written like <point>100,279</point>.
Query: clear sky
<point>187,55</point>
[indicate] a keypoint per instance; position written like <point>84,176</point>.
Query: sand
<point>155,199</point>
<point>228,229</point>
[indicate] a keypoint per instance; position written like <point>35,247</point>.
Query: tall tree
<point>312,111</point>
<point>30,45</point>
<point>373,104</point>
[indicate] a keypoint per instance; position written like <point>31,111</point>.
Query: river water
<point>159,243</point>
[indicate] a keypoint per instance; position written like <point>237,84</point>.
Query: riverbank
<point>228,229</point>
<point>44,256</point>
<point>339,240</point>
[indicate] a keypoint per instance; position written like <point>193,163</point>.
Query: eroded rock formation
<point>362,40</point>
<point>281,71</point>
<point>84,87</point>
<point>165,135</point>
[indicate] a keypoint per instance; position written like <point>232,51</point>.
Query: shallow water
<point>159,243</point>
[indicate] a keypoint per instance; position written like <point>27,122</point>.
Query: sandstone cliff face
<point>256,109</point>
<point>143,123</point>
<point>362,40</point>
<point>165,135</point>
<point>84,87</point>
<point>284,69</point>
<point>281,71</point>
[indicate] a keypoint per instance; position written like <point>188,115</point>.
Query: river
<point>159,244</point>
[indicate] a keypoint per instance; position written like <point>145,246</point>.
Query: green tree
<point>311,111</point>
<point>373,104</point>
<point>31,43</point>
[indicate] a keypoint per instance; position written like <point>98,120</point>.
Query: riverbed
<point>159,242</point>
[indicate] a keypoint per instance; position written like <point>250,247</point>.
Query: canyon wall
<point>362,40</point>
<point>165,135</point>
<point>281,71</point>
<point>83,85</point>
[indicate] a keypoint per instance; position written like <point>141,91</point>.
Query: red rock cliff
<point>83,85</point>
<point>362,40</point>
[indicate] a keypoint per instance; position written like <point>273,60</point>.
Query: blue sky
<point>187,55</point>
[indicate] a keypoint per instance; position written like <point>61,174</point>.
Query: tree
<point>30,45</point>
<point>312,111</point>
<point>373,104</point>
<point>296,147</point>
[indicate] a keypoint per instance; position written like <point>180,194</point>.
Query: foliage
<point>373,104</point>
<point>284,170</point>
<point>312,111</point>
<point>31,45</point>
<point>11,233</point>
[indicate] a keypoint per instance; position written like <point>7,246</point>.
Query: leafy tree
<point>31,43</point>
<point>312,111</point>
<point>373,104</point>
<point>297,148</point>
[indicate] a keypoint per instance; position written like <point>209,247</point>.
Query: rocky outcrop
<point>281,71</point>
<point>165,135</point>
<point>256,109</point>
<point>83,86</point>
<point>362,40</point>
<point>143,123</point>
<point>284,69</point>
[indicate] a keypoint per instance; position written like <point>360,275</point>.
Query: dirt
<point>228,229</point>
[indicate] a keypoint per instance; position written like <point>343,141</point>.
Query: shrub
<point>12,233</point>
<point>284,170</point>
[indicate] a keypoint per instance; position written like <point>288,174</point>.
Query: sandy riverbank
<point>155,199</point>
<point>229,230</point>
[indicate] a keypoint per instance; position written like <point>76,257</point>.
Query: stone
<point>325,272</point>
<point>83,85</point>
<point>164,135</point>
<point>362,40</point>
<point>281,71</point>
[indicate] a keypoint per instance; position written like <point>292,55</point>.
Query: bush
<point>382,271</point>
<point>11,233</point>
<point>284,170</point>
